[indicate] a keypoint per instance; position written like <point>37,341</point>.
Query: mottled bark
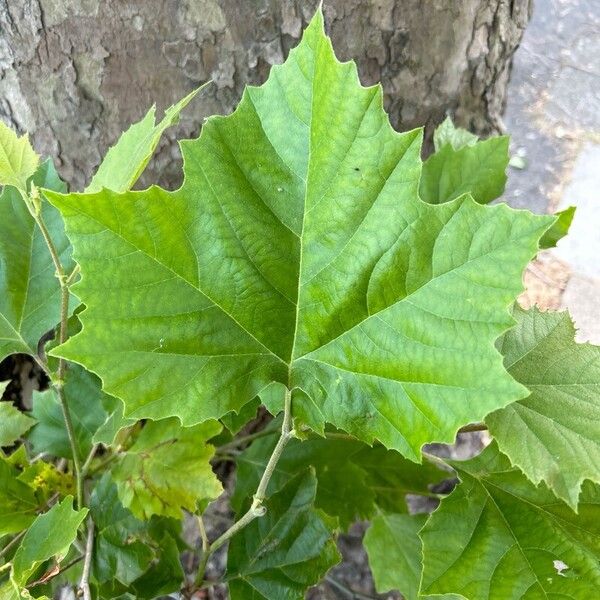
<point>76,72</point>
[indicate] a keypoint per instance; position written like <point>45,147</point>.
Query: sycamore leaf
<point>462,164</point>
<point>167,469</point>
<point>391,477</point>
<point>18,502</point>
<point>165,574</point>
<point>497,536</point>
<point>447,133</point>
<point>13,423</point>
<point>46,480</point>
<point>121,549</point>
<point>365,477</point>
<point>553,435</point>
<point>394,551</point>
<point>84,397</point>
<point>29,290</point>
<point>50,536</point>
<point>127,159</point>
<point>18,160</point>
<point>561,227</point>
<point>284,552</point>
<point>298,251</point>
<point>115,422</point>
<point>332,461</point>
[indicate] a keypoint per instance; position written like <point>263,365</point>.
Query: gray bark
<point>75,73</point>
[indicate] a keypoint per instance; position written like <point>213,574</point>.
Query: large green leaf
<point>18,160</point>
<point>50,536</point>
<point>394,551</point>
<point>298,251</point>
<point>29,290</point>
<point>167,469</point>
<point>553,435</point>
<point>85,399</point>
<point>127,159</point>
<point>497,536</point>
<point>365,477</point>
<point>278,556</point>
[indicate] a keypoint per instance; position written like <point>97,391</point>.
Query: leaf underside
<point>298,251</point>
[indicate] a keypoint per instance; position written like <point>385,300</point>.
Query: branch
<point>84,584</point>
<point>257,508</point>
<point>34,206</point>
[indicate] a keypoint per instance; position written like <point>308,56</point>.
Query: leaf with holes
<point>499,536</point>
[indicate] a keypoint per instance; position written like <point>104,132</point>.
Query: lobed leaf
<point>297,251</point>
<point>553,435</point>
<point>281,554</point>
<point>499,536</point>
<point>167,468</point>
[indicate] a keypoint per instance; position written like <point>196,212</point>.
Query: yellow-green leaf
<point>18,160</point>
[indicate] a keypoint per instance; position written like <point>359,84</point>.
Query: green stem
<point>34,206</point>
<point>257,508</point>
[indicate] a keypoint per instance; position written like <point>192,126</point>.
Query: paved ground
<point>553,115</point>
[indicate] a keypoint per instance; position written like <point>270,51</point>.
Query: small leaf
<point>553,435</point>
<point>18,502</point>
<point>284,552</point>
<point>46,480</point>
<point>18,160</point>
<point>297,251</point>
<point>115,421</point>
<point>29,290</point>
<point>167,469</point>
<point>559,229</point>
<point>50,536</point>
<point>478,169</point>
<point>448,133</point>
<point>127,159</point>
<point>394,550</point>
<point>13,423</point>
<point>499,536</point>
<point>84,397</point>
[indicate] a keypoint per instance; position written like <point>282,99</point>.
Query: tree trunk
<point>75,73</point>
